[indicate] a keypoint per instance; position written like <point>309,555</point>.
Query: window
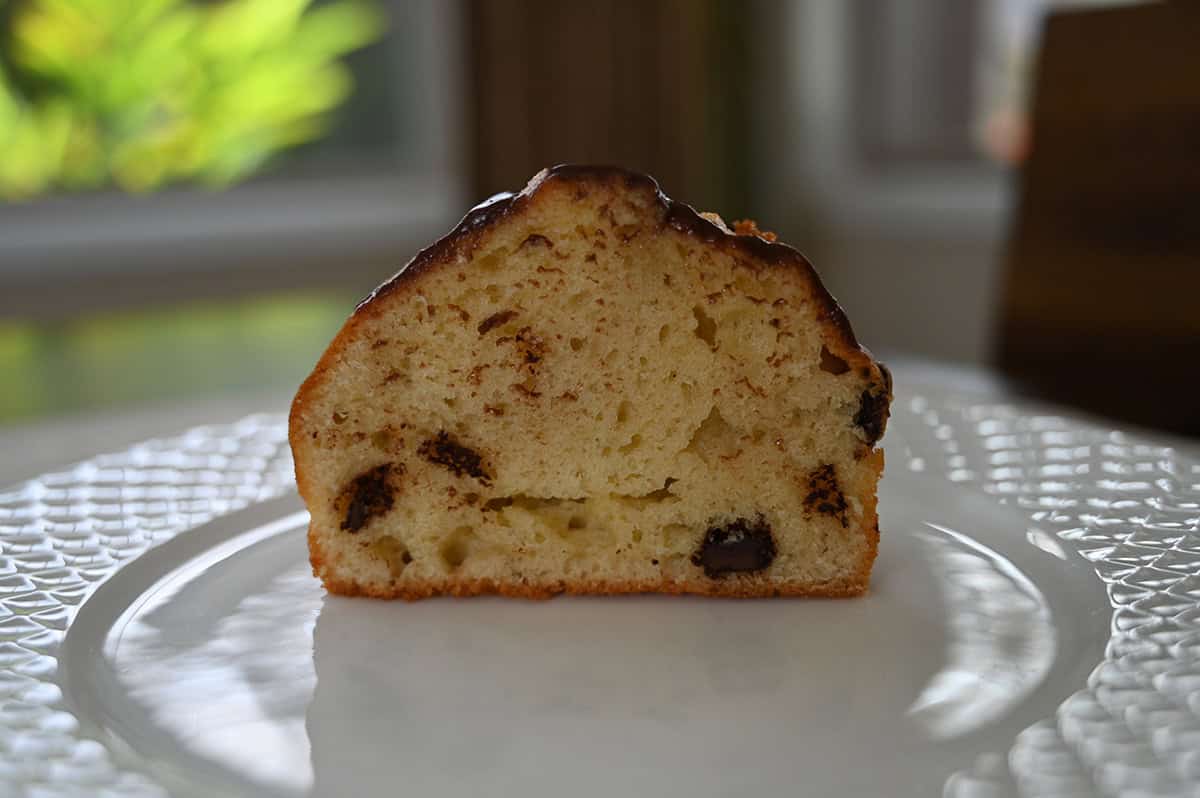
<point>896,133</point>
<point>383,180</point>
<point>910,111</point>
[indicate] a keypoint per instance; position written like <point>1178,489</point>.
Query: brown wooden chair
<point>1101,300</point>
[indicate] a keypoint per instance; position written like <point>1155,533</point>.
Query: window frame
<point>811,156</point>
<point>69,254</point>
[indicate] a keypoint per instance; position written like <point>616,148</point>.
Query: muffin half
<point>589,388</point>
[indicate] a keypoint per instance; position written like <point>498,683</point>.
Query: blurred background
<point>194,193</point>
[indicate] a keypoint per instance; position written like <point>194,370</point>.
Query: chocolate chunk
<point>535,239</point>
<point>495,320</point>
<point>370,494</point>
<point>832,363</point>
<point>445,451</point>
<point>825,495</point>
<point>530,346</point>
<point>872,414</point>
<point>742,546</point>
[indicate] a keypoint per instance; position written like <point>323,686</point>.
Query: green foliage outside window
<point>141,93</point>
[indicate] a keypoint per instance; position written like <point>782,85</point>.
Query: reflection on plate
<point>219,658</point>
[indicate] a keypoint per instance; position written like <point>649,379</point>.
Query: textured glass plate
<point>1033,628</point>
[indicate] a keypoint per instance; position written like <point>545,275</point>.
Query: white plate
<point>1041,637</point>
<point>220,660</point>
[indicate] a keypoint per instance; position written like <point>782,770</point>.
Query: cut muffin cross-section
<point>587,387</point>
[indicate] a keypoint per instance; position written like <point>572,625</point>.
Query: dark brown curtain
<point>653,85</point>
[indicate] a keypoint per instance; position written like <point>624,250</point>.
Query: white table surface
<point>29,449</point>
